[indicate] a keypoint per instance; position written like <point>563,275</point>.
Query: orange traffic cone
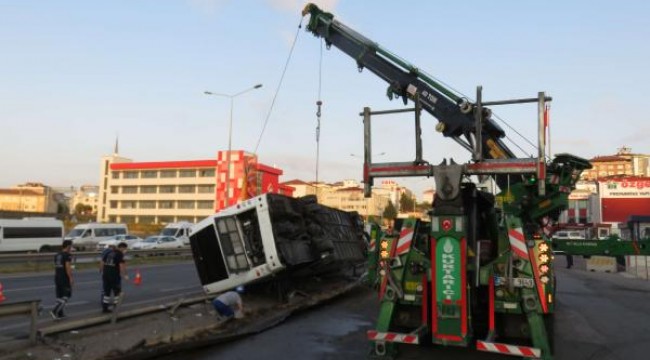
<point>2,295</point>
<point>138,278</point>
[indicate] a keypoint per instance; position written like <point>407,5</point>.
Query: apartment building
<point>169,191</point>
<point>624,162</point>
<point>28,197</point>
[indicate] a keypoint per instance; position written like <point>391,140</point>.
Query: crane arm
<point>454,113</point>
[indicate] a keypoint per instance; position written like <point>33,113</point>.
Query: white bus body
<point>86,236</point>
<point>180,230</point>
<point>272,233</point>
<point>30,234</point>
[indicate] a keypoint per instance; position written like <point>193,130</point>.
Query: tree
<point>423,207</point>
<point>406,203</point>
<point>82,209</point>
<point>389,211</point>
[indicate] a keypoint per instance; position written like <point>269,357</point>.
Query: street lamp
<point>232,105</point>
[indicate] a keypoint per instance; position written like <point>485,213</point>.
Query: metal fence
<point>87,256</point>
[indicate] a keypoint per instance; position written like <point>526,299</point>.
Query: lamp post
<point>232,105</point>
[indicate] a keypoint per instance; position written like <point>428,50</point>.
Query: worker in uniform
<point>62,279</point>
<point>108,249</point>
<point>114,269</point>
<point>229,304</point>
<point>569,261</point>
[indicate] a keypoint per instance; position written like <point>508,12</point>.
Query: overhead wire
<point>277,90</point>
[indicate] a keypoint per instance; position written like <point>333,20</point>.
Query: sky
<point>76,75</point>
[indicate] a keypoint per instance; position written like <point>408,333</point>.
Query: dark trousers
<point>63,294</point>
<point>111,285</point>
<point>222,309</point>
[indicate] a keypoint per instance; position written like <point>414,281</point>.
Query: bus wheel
<point>45,248</point>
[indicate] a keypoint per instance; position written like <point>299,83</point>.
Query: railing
<point>87,256</point>
<point>29,307</point>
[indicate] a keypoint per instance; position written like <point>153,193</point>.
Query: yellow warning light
<point>544,279</point>
<point>543,269</point>
<point>550,298</point>
<point>543,247</point>
<point>543,258</point>
<point>383,244</point>
<point>384,254</point>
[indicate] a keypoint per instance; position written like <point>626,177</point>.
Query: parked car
<point>114,240</point>
<point>158,242</point>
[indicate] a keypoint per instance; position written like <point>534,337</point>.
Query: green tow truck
<point>480,273</point>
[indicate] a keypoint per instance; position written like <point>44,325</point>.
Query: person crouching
<point>229,304</point>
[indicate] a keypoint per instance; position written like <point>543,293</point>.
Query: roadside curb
<point>101,319</point>
<point>214,334</point>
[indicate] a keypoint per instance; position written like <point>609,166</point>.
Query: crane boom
<point>455,113</point>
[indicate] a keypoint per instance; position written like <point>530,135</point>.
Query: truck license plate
<point>523,282</point>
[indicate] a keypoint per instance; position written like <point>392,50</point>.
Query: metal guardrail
<point>87,256</point>
<point>29,307</point>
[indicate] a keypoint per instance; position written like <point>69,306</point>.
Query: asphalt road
<point>160,284</point>
<point>599,316</point>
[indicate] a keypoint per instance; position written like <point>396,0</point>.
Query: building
<point>622,197</point>
<point>86,195</point>
<point>624,162</point>
<point>302,188</point>
<point>613,189</point>
<point>349,196</point>
<point>169,191</point>
<point>29,197</point>
<point>428,196</point>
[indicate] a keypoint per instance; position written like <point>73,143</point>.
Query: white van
<point>31,234</point>
<point>180,230</point>
<point>87,236</point>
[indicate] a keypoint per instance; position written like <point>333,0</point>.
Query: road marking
<point>198,288</point>
<point>50,286</point>
<point>49,272</point>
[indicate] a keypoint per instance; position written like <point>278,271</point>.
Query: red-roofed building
<point>624,162</point>
<point>188,190</point>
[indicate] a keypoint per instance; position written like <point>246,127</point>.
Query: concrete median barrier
<point>602,264</point>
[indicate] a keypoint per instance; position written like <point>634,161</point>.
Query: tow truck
<point>480,273</point>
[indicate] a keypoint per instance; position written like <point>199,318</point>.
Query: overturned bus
<point>274,234</point>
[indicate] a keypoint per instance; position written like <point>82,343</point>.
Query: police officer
<point>112,273</point>
<point>62,279</point>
